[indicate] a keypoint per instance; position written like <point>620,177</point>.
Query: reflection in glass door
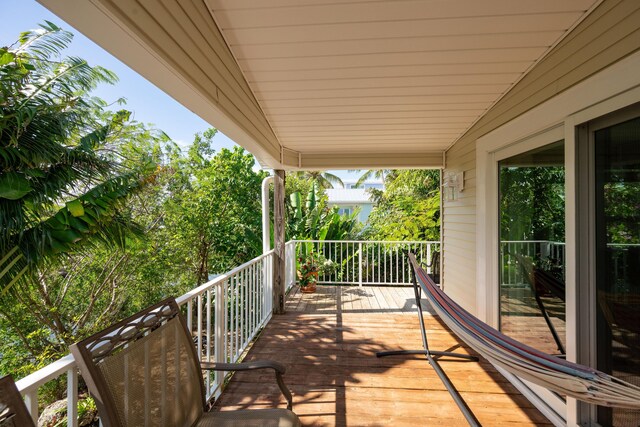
<point>617,235</point>
<point>532,247</point>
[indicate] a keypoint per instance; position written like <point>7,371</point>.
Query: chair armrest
<point>278,368</point>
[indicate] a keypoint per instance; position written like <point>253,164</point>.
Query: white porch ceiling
<point>331,84</point>
<point>385,76</point>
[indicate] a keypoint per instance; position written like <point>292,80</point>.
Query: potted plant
<point>310,266</point>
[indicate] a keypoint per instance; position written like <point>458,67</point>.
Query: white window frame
<point>611,89</point>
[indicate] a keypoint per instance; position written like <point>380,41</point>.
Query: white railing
<point>223,315</point>
<point>363,262</point>
<point>512,274</point>
<point>290,265</point>
<point>30,384</point>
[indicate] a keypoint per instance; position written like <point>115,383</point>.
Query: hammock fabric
<point>564,377</point>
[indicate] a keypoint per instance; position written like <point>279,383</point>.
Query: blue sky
<point>148,103</point>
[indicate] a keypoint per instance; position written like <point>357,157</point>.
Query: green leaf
<point>88,219</point>
<point>58,247</point>
<point>6,58</point>
<point>14,186</point>
<point>62,216</point>
<point>75,207</point>
<point>65,236</point>
<point>55,223</point>
<point>78,225</point>
<point>36,173</point>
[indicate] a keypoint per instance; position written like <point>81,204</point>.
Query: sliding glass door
<point>532,247</point>
<point>617,258</point>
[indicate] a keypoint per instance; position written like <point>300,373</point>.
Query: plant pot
<point>309,289</point>
<point>311,279</point>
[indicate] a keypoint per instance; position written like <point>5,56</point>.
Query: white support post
<point>199,329</point>
<point>266,225</point>
<point>190,315</point>
<point>31,402</point>
<point>359,263</point>
<point>218,340</point>
<point>72,397</point>
<point>266,241</point>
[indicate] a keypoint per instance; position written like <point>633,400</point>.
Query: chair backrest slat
<point>144,370</point>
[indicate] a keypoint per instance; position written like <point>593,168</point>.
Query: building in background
<point>350,198</point>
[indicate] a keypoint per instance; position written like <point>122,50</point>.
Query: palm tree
<point>381,174</point>
<point>61,186</point>
<point>322,178</point>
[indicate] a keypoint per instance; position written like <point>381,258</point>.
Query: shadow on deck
<point>328,342</point>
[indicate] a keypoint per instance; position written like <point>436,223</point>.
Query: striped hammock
<point>564,377</point>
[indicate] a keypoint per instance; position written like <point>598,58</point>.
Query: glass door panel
<point>617,235</point>
<point>532,247</point>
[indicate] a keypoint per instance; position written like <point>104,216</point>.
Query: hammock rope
<point>562,376</point>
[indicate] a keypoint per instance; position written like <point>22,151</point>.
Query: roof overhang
<point>330,85</point>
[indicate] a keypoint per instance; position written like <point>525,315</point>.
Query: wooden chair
<point>144,371</point>
<point>13,412</point>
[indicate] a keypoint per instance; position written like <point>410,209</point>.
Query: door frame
<point>586,239</point>
<point>554,406</point>
<point>611,89</point>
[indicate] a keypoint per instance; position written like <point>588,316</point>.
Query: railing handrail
<point>533,241</point>
<point>366,241</point>
<point>31,382</point>
<point>362,262</point>
<point>184,298</point>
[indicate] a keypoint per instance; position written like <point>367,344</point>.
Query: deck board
<point>328,342</point>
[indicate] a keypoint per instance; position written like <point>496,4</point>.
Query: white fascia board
<point>90,18</point>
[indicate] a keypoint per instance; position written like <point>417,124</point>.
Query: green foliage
<point>381,174</point>
<point>322,178</point>
<point>101,216</point>
<point>621,204</point>
<point>532,203</point>
<point>311,265</point>
<point>215,210</point>
<point>314,221</point>
<point>198,214</point>
<point>61,187</point>
<point>408,208</point>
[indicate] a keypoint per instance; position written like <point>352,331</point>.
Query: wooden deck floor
<point>328,342</point>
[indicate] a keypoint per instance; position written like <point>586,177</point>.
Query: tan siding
<point>372,161</point>
<point>199,52</point>
<point>465,159</point>
<point>290,157</point>
<point>592,48</point>
<point>608,34</point>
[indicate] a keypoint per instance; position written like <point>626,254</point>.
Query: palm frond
<point>45,42</point>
